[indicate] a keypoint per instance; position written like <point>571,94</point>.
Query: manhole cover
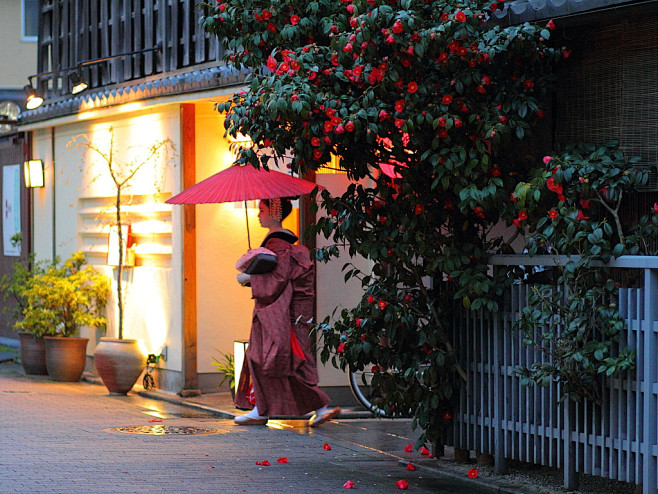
<point>161,430</point>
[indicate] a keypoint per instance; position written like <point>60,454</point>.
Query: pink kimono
<point>283,382</point>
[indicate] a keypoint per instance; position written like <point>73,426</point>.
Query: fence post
<point>648,384</point>
<point>500,462</point>
<point>569,446</point>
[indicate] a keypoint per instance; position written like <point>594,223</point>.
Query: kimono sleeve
<point>267,287</point>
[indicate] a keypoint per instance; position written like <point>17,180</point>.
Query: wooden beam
<point>190,375</point>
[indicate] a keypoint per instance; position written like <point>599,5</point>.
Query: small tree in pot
<point>59,301</point>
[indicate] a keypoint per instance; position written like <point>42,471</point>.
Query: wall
<point>333,291</point>
<point>223,307</point>
<point>18,58</point>
<point>72,212</point>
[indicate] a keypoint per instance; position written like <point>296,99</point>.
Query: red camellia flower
<point>419,209</point>
<point>513,198</point>
<point>447,416</point>
<point>410,466</point>
<point>655,207</point>
<point>408,448</point>
<point>460,17</point>
<point>341,347</point>
<point>349,126</point>
<point>517,222</point>
<point>271,27</point>
<point>523,215</point>
<point>553,187</point>
<point>550,25</point>
<point>495,172</point>
<point>317,154</point>
<point>406,298</point>
<point>402,484</point>
<point>399,122</point>
<point>552,214</point>
<point>473,473</point>
<point>529,84</point>
<point>327,447</point>
<point>479,211</point>
<point>547,159</point>
<point>397,27</point>
<point>584,203</point>
<point>446,100</point>
<point>384,115</point>
<point>448,205</point>
<point>357,322</point>
<point>412,87</point>
<point>315,141</point>
<point>581,216</point>
<point>282,460</point>
<point>348,485</point>
<point>371,299</point>
<point>424,451</point>
<point>376,369</point>
<point>399,105</point>
<point>294,19</point>
<point>382,304</point>
<point>444,17</point>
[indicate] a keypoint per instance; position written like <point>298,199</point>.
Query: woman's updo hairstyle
<point>279,207</point>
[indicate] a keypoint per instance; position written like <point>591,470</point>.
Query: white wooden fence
<point>498,416</point>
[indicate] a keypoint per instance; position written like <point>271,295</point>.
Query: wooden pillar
<point>190,374</point>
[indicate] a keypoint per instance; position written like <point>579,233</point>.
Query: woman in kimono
<point>279,376</point>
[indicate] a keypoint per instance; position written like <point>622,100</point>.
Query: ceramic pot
<point>65,357</point>
<point>33,354</point>
<point>119,363</point>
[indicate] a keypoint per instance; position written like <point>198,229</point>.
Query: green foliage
<point>61,299</point>
<point>227,367</point>
<point>579,326</point>
<point>442,97</point>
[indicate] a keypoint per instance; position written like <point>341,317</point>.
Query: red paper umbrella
<point>243,183</point>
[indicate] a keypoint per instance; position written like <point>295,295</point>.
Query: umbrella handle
<point>246,215</point>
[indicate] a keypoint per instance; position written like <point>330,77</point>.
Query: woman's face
<point>264,217</point>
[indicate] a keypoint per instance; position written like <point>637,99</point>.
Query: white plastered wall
<point>333,292</point>
<point>224,308</point>
<point>68,216</point>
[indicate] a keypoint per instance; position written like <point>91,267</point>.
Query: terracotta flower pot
<point>33,354</point>
<point>65,357</point>
<point>119,363</point>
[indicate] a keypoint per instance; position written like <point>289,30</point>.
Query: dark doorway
<point>14,150</point>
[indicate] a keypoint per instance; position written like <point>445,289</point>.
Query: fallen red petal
<point>402,484</point>
<point>327,447</point>
<point>155,420</point>
<point>410,466</point>
<point>282,460</point>
<point>473,473</point>
<point>424,451</point>
<point>348,485</point>
<point>408,448</point>
<point>263,463</point>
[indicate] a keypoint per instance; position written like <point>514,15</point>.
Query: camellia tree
<point>424,103</point>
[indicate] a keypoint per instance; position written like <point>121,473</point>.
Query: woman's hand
<point>243,278</point>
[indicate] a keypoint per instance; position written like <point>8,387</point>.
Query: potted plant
<point>33,346</point>
<point>120,361</point>
<point>59,301</point>
<point>227,367</point>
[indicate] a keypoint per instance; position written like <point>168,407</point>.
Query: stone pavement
<point>76,438</point>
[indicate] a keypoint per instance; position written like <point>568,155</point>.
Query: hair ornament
<point>275,209</point>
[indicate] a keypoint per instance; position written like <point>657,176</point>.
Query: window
<point>30,20</point>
